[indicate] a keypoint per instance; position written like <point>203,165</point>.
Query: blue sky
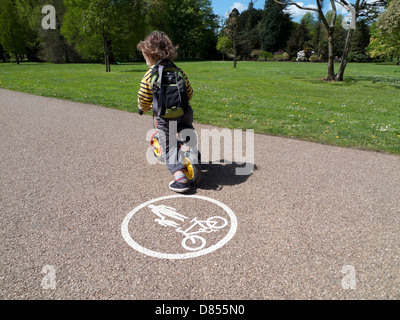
<point>221,7</point>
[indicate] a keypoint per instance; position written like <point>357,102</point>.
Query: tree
<point>385,34</point>
<point>224,45</point>
<point>330,26</point>
<point>339,39</point>
<point>190,24</point>
<point>195,20</point>
<point>103,27</point>
<point>298,39</point>
<point>275,26</point>
<point>207,41</point>
<point>156,14</point>
<point>319,26</point>
<point>26,10</point>
<point>88,44</point>
<point>359,42</point>
<point>12,29</point>
<point>248,38</point>
<point>132,29</point>
<point>53,46</point>
<point>310,22</point>
<point>382,44</point>
<point>343,63</point>
<point>389,21</point>
<point>100,19</point>
<point>232,31</point>
<point>369,11</point>
<point>2,54</point>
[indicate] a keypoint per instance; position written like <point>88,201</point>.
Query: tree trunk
<point>331,58</point>
<point>234,57</point>
<point>234,52</point>
<point>66,55</point>
<point>317,36</point>
<point>343,64</point>
<point>111,57</point>
<point>15,49</point>
<point>106,55</point>
<point>65,47</point>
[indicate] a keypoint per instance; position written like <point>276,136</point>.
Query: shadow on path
<point>216,175</point>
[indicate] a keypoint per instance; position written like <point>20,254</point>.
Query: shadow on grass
<point>386,80</point>
<point>355,80</point>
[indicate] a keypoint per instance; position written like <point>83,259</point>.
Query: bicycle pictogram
<point>192,241</point>
<point>196,242</point>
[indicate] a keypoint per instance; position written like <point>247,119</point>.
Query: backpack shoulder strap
<point>164,62</point>
<point>158,95</point>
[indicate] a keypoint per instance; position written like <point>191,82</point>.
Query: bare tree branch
<point>297,5</point>
<point>334,13</point>
<point>318,9</point>
<point>321,15</point>
<point>342,2</point>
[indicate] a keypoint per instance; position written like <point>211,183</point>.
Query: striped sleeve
<point>189,88</point>
<point>145,95</point>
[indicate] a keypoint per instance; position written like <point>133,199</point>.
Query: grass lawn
<point>285,99</point>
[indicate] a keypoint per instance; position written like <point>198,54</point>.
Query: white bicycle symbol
<point>193,242</point>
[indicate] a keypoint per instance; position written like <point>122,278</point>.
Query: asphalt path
<point>312,221</point>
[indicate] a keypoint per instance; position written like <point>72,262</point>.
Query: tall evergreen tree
<point>360,42</point>
<point>275,27</point>
<point>298,39</point>
<point>232,31</point>
<point>248,38</point>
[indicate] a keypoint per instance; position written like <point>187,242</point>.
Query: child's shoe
<point>179,187</point>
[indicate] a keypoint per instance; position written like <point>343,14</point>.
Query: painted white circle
<point>127,237</point>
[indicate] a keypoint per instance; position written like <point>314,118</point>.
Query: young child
<point>157,46</point>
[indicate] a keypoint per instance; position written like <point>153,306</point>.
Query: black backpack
<point>170,98</point>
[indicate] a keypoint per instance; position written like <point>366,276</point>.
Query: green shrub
<point>268,56</point>
<point>358,57</point>
<point>315,58</point>
<point>255,54</point>
<point>281,57</point>
<point>286,56</point>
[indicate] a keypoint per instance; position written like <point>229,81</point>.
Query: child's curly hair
<point>158,46</point>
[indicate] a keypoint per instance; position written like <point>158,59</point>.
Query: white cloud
<point>299,13</point>
<point>296,12</point>
<point>241,7</point>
